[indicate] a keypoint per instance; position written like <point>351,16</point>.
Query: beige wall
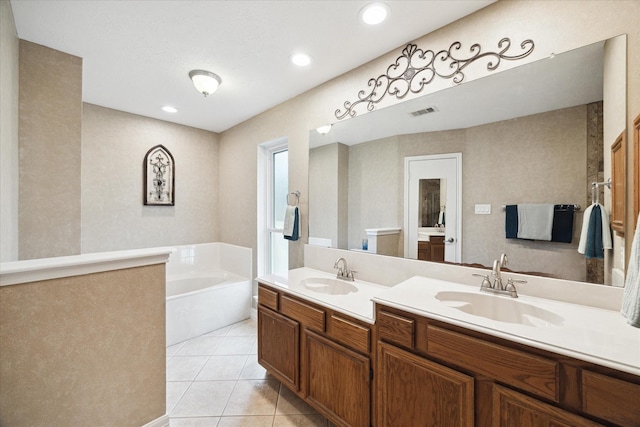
<point>84,350</point>
<point>49,127</point>
<point>114,144</point>
<point>9,48</point>
<point>554,26</point>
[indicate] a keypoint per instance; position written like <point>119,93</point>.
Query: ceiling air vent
<point>424,111</point>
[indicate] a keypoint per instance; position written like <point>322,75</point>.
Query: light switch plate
<point>483,209</point>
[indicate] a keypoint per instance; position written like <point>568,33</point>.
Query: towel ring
<point>297,198</point>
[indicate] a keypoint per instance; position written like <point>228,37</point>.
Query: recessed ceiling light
<point>169,109</point>
<point>301,59</point>
<point>374,13</point>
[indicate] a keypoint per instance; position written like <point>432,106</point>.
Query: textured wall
<point>84,350</point>
<point>114,144</point>
<point>49,128</point>
<point>9,48</point>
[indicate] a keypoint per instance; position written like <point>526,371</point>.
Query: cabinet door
<point>437,248</point>
<point>338,381</point>
<point>278,346</point>
<point>511,408</point>
<point>413,391</point>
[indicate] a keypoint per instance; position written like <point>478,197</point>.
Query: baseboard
<point>163,421</point>
<point>254,314</point>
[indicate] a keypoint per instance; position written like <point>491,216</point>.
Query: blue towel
<point>562,230</point>
<point>594,247</point>
<point>291,230</point>
<point>511,221</point>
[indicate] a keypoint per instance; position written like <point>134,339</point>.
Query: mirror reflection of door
<point>432,207</point>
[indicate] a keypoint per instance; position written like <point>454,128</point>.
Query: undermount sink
<point>499,308</point>
<point>324,285</point>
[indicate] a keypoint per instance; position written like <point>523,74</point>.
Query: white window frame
<point>265,201</point>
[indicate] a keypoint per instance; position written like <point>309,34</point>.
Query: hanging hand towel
<point>291,223</point>
<point>631,298</point>
<point>595,235</point>
<point>535,221</point>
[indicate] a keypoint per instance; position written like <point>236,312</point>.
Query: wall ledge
<point>163,421</point>
<point>33,270</point>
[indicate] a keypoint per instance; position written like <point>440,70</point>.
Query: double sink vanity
<point>429,352</point>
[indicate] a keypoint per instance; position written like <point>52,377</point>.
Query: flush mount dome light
<point>323,130</point>
<point>301,59</point>
<point>374,13</point>
<point>205,81</point>
<point>169,109</point>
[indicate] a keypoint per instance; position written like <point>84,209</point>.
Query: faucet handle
<point>486,283</point>
<point>351,274</point>
<point>511,281</point>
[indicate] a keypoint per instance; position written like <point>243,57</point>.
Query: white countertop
<point>591,334</point>
<point>586,333</point>
<point>357,302</point>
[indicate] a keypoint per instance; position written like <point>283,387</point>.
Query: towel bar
<point>576,207</point>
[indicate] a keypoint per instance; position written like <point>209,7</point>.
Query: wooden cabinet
<point>413,391</point>
<point>618,183</point>
<point>433,373</point>
<point>280,353</point>
<point>320,354</point>
<point>338,381</point>
<point>432,250</point>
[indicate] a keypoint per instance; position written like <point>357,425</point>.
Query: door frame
<point>458,194</point>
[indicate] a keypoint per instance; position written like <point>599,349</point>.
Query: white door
<point>441,166</point>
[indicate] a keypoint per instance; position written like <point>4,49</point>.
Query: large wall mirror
<point>531,134</point>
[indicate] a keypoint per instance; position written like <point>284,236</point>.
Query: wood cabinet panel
<point>307,315</point>
<point>618,183</point>
<point>396,329</point>
<point>338,381</point>
<point>413,391</point>
<point>350,333</point>
<point>268,298</point>
<point>525,371</point>
<point>278,346</point>
<point>611,399</point>
<point>636,166</point>
<point>511,408</point>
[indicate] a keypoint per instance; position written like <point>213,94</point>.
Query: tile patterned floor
<point>215,381</point>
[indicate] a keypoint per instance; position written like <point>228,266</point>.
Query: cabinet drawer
<point>396,329</point>
<point>611,399</point>
<point>350,334</point>
<point>307,315</point>
<point>516,368</point>
<point>268,298</point>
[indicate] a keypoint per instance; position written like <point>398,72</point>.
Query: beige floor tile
<point>253,397</point>
<point>201,346</point>
<point>299,421</point>
<point>194,422</point>
<point>185,368</point>
<point>175,390</point>
<point>242,329</point>
<point>222,368</point>
<point>236,345</point>
<point>246,421</point>
<point>204,399</point>
<point>289,403</point>
<point>252,370</point>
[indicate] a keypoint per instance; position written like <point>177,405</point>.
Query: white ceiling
<point>137,54</point>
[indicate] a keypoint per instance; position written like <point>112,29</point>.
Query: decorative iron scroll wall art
<point>416,68</point>
<point>159,177</point>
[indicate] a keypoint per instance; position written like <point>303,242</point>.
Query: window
<point>273,187</point>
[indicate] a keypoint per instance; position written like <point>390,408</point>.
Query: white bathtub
<point>208,287</point>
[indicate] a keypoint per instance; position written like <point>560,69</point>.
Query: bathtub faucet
<point>343,272</point>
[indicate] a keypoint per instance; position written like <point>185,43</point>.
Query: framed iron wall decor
<point>159,177</point>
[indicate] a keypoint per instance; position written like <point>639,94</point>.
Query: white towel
<point>606,229</point>
<point>631,298</point>
<point>535,221</point>
<point>289,220</point>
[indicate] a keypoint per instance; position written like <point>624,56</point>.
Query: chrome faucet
<point>343,272</point>
<point>497,287</point>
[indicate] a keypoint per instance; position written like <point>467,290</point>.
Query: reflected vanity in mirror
<point>531,134</point>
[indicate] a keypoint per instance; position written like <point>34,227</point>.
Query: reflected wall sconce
<point>205,82</point>
<point>323,130</point>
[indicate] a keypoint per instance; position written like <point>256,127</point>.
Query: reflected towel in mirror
<point>595,236</point>
<point>291,220</point>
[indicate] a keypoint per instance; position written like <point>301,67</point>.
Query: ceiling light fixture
<point>169,109</point>
<point>301,59</point>
<point>205,81</point>
<point>323,130</point>
<point>374,13</point>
